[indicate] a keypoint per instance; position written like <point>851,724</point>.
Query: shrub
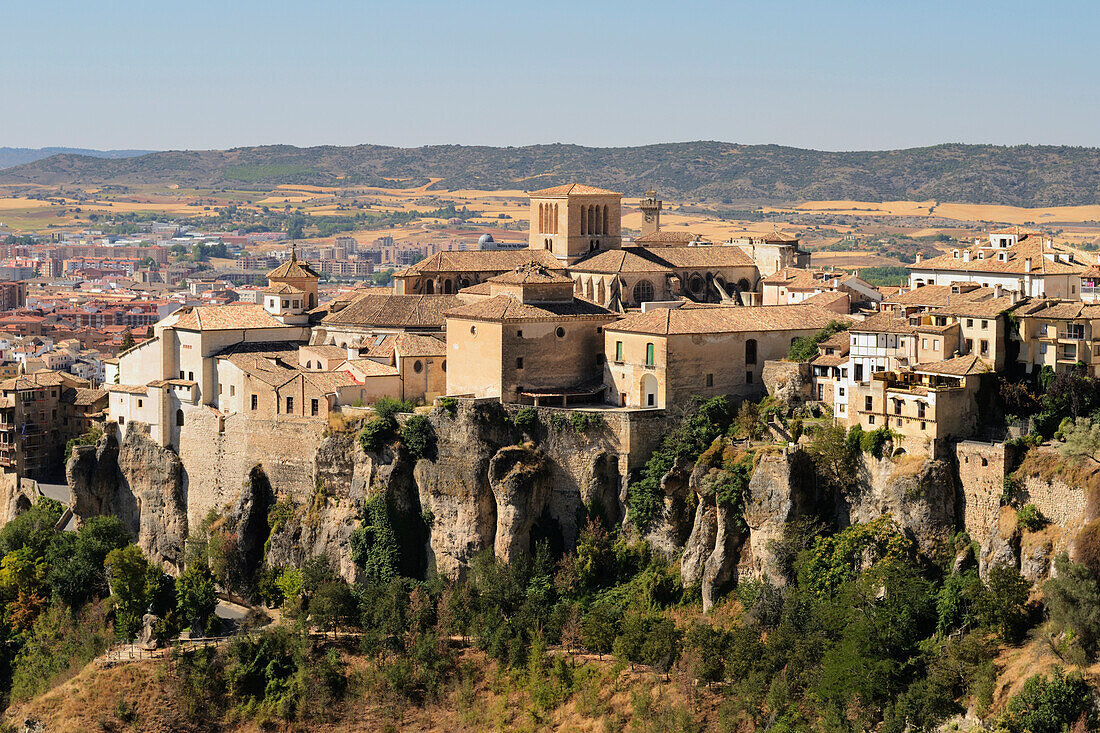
<point>580,421</point>
<point>1004,607</point>
<point>804,349</point>
<point>89,438</point>
<point>1030,518</point>
<point>419,436</point>
<point>526,419</point>
<point>374,544</point>
<point>376,433</point>
<point>558,422</point>
<point>449,405</point>
<point>1072,598</point>
<point>388,407</point>
<point>875,441</point>
<point>1010,490</point>
<point>1050,705</point>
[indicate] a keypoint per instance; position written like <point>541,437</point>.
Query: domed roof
<point>485,239</point>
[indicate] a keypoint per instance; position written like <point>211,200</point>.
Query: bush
<point>580,421</point>
<point>197,597</point>
<point>1050,705</point>
<point>1073,601</point>
<point>526,419</point>
<point>449,405</point>
<point>419,436</point>
<point>89,438</point>
<point>376,433</point>
<point>804,349</point>
<point>1030,518</point>
<point>875,441</point>
<point>558,422</point>
<point>388,407</point>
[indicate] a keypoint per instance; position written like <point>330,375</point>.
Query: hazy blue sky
<point>831,75</point>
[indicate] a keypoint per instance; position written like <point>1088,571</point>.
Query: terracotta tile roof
<point>327,351</point>
<point>934,296</point>
<point>726,319</point>
<point>281,288</point>
<point>983,308</point>
<point>828,360</point>
<point>619,261</point>
<point>83,396</point>
<point>662,237</point>
<point>839,340</point>
<point>395,311</point>
<point>826,298</point>
<point>960,366</point>
<point>531,272</point>
<point>380,347</point>
<point>225,318</point>
<point>292,269</point>
<point>43,378</point>
<point>507,308</point>
<point>122,388</point>
<point>329,382</point>
<point>412,344</point>
<point>778,237</point>
<point>482,260</point>
<point>371,368</point>
<point>1013,264</point>
<point>482,288</point>
<point>885,322</point>
<point>711,255</point>
<point>573,189</point>
<point>1065,310</point>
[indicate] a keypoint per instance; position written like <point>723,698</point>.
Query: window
<point>868,403</point>
<point>618,351</point>
<point>290,405</point>
<point>560,332</point>
<point>179,418</point>
<point>859,372</point>
<point>643,291</point>
<point>985,324</point>
<point>969,345</point>
<point>139,403</point>
<point>121,420</point>
<point>748,377</point>
<point>254,401</point>
<point>519,333</point>
<point>921,407</point>
<point>473,330</point>
<point>750,351</point>
<point>313,407</point>
<point>232,390</point>
<point>984,345</point>
<point>923,425</point>
<point>970,323</point>
<point>649,361</point>
<point>821,391</point>
<point>599,329</point>
<point>418,366</point>
<point>286,303</point>
<point>936,344</point>
<point>870,419</point>
<point>519,362</point>
<point>710,380</point>
<point>924,343</point>
<point>191,376</point>
<point>181,374</point>
<point>841,391</point>
<point>1075,331</point>
<point>443,366</point>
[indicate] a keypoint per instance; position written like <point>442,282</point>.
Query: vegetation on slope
<point>714,171</point>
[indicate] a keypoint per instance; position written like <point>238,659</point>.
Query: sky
<point>825,75</point>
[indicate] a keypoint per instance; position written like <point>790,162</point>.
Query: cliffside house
<point>666,356</point>
<point>1016,259</point>
<point>1059,334</point>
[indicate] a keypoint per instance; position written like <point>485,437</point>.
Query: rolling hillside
<point>17,156</point>
<point>715,171</point>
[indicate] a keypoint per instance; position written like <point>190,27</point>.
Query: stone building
<point>39,413</point>
<point>1016,259</point>
<point>448,272</point>
<point>792,285</point>
<point>1059,334</point>
<point>530,341</point>
<point>573,221</point>
<point>666,356</point>
<point>372,315</point>
<point>924,404</point>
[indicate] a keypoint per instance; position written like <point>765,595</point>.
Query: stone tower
<point>573,221</point>
<point>651,213</point>
<point>297,275</point>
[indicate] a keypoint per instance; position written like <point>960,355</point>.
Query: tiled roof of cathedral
<point>395,311</point>
<point>413,344</point>
<point>531,272</point>
<point>507,308</point>
<point>225,318</point>
<point>664,236</point>
<point>292,269</point>
<point>573,189</point>
<point>714,255</point>
<point>620,260</point>
<point>480,260</point>
<point>726,319</point>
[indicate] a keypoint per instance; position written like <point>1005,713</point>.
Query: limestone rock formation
<point>518,478</point>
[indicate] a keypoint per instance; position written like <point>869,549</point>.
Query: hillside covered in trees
<point>1021,176</point>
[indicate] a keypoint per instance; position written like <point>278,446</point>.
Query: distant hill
<point>18,156</point>
<point>714,171</point>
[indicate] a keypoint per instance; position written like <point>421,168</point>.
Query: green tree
<point>1005,606</point>
<point>197,597</point>
<point>1072,598</point>
<point>1050,705</point>
<point>600,628</point>
<point>136,586</point>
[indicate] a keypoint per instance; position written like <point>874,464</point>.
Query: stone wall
<point>218,452</point>
<point>982,469</point>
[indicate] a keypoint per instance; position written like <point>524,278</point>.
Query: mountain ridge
<point>1024,175</point>
<point>10,157</point>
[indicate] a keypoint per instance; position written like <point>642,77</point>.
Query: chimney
<point>997,290</point>
<point>966,255</point>
<point>919,258</point>
<point>1027,265</point>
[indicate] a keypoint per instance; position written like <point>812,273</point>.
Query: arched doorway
<point>429,287</point>
<point>649,390</point>
<point>448,288</point>
<point>743,285</point>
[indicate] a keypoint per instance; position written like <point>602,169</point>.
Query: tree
<point>135,587</point>
<point>1005,606</point>
<point>600,627</point>
<point>1050,705</point>
<point>1082,439</point>
<point>419,436</point>
<point>295,226</point>
<point>127,340</point>
<point>834,457</point>
<point>77,560</point>
<point>331,605</point>
<point>1073,601</point>
<point>197,597</point>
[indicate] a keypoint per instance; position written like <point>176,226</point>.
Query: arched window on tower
<point>750,351</point>
<point>584,221</point>
<point>605,229</point>
<point>179,418</point>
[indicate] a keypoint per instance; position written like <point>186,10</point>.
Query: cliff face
<point>488,484</point>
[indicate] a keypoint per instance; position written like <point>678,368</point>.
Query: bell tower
<point>651,213</point>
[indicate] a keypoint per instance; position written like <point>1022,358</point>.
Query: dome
<point>485,239</point>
